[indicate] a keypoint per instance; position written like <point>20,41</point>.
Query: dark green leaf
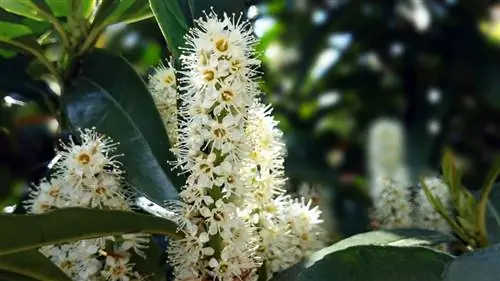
<point>172,23</point>
<point>480,265</point>
<point>219,7</point>
<point>30,265</point>
<point>371,263</point>
<point>133,96</point>
<point>111,97</point>
<point>11,276</point>
<point>403,237</point>
<point>24,232</point>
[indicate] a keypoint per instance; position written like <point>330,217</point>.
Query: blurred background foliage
<point>330,68</point>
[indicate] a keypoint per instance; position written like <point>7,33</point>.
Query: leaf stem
<point>57,25</point>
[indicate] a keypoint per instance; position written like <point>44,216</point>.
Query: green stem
<point>36,54</point>
<point>483,204</point>
<point>57,25</point>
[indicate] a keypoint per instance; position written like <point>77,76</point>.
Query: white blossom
<point>87,174</point>
<point>427,216</point>
<point>216,90</point>
<point>163,87</point>
<point>234,213</point>
<point>392,200</point>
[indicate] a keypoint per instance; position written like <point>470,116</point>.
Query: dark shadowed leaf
<point>112,97</point>
<point>24,232</point>
<point>28,266</point>
<point>7,276</point>
<point>481,265</point>
<point>373,263</point>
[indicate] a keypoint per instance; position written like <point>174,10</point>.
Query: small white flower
<point>117,268</point>
<point>163,88</point>
<point>88,175</point>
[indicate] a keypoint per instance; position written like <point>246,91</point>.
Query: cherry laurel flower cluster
<point>391,186</point>
<point>163,87</point>
<point>234,213</point>
<point>87,175</point>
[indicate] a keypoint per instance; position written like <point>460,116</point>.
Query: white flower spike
<point>88,175</point>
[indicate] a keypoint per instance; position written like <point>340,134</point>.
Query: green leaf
<point>480,265</point>
<point>403,237</point>
<point>13,30</point>
<point>172,23</point>
<point>36,27</point>
<point>373,263</point>
<point>24,232</point>
<point>26,8</point>
<point>125,10</point>
<point>112,97</point>
<point>135,15</point>
<point>219,7</point>
<point>133,96</point>
<point>30,265</point>
<point>60,8</point>
<point>87,7</point>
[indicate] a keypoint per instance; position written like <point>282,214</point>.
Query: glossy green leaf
<point>373,263</point>
<point>480,265</point>
<point>24,232</point>
<point>402,237</point>
<point>30,265</point>
<point>27,8</point>
<point>12,30</point>
<point>87,7</point>
<point>36,27</point>
<point>60,8</point>
<point>112,97</point>
<point>133,96</point>
<point>172,23</point>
